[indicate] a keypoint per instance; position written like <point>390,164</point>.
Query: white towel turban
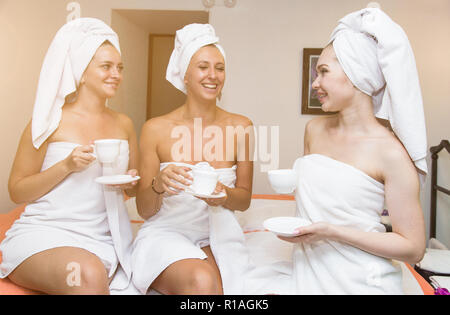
<point>376,55</point>
<point>66,60</point>
<point>188,41</point>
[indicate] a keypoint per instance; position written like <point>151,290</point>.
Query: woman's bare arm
<point>147,200</point>
<point>239,198</point>
<point>26,181</point>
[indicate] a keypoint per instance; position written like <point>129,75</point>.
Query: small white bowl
<point>283,181</point>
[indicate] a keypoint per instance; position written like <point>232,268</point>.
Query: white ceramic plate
<point>193,193</point>
<point>285,226</point>
<point>116,179</point>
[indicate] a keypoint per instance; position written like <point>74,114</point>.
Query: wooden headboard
<point>434,186</point>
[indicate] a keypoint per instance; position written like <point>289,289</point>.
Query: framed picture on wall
<point>310,102</point>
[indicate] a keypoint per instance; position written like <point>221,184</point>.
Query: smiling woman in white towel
<point>172,252</point>
<point>353,165</point>
<point>68,241</point>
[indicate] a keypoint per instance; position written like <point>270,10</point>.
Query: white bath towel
<point>332,191</point>
<point>188,41</point>
<point>184,225</point>
<point>377,57</point>
<point>119,224</point>
<point>178,231</point>
<point>76,213</point>
<point>241,275</point>
<point>68,56</point>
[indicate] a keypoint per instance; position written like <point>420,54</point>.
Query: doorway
<point>147,40</point>
<point>162,96</point>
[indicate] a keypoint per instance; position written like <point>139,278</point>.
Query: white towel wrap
<point>376,55</point>
<point>338,193</point>
<point>183,225</point>
<point>78,212</point>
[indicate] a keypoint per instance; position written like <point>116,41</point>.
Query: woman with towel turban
<point>353,165</point>
<point>172,252</point>
<point>74,234</point>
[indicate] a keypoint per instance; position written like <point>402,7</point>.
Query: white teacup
<point>283,181</point>
<point>107,150</point>
<point>204,181</point>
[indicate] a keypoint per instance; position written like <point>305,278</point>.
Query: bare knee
<point>63,270</point>
<point>87,277</point>
<point>203,280</point>
<point>189,277</point>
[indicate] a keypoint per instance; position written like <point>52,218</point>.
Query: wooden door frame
<point>150,68</point>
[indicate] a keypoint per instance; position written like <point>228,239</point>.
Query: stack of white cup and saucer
<point>205,181</point>
<point>284,181</point>
<point>107,152</point>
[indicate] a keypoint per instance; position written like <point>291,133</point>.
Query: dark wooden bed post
<point>434,186</point>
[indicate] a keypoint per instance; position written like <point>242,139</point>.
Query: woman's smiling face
<point>104,73</point>
<point>334,89</point>
<point>205,75</point>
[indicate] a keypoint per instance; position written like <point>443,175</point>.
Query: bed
<point>259,241</point>
<point>435,266</point>
<point>435,188</point>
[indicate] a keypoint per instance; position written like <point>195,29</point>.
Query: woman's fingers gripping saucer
<point>215,202</point>
<point>311,233</point>
<point>130,185</point>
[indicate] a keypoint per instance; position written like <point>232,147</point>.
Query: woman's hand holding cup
<point>80,158</point>
<point>170,177</point>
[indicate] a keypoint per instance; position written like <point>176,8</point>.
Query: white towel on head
<point>188,41</point>
<point>67,58</point>
<point>376,55</point>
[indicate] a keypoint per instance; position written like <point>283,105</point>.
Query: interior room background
<point>263,40</point>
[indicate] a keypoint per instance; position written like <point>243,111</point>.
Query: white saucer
<point>116,179</point>
<point>285,226</point>
<point>193,193</point>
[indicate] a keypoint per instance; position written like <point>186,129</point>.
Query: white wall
<point>26,31</point>
<point>131,98</point>
<point>263,40</point>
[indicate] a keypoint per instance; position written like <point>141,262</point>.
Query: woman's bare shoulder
<point>234,119</point>
<point>392,153</point>
<point>318,125</point>
<point>161,125</point>
<point>155,124</point>
<point>124,123</point>
<point>320,122</point>
<point>123,119</point>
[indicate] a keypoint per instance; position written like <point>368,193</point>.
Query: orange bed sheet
<point>6,286</point>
